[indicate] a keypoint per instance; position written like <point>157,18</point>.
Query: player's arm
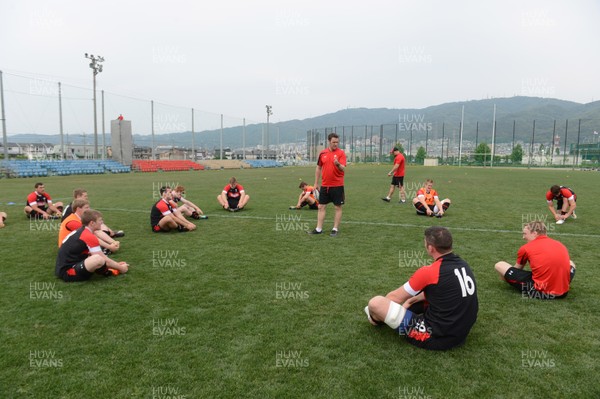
<point>123,267</point>
<point>417,298</point>
<point>182,221</point>
<point>191,204</point>
<point>318,170</point>
<point>421,199</point>
<point>572,206</point>
<point>551,207</point>
<point>338,164</point>
<point>438,203</point>
<point>394,169</point>
<point>399,295</point>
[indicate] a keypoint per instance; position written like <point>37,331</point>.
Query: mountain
<point>444,119</point>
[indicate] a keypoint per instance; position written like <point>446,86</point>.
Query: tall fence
<point>43,105</point>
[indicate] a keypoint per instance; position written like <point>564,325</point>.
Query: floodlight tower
<point>269,113</point>
<point>96,69</point>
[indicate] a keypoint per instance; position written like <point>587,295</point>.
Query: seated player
<point>80,256</point>
<point>437,307</point>
<point>187,208</point>
<point>551,267</point>
<point>165,217</point>
<point>80,193</point>
<point>233,197</point>
<point>307,197</point>
<point>3,217</point>
<point>73,222</point>
<point>428,203</point>
<point>564,209</point>
<point>39,204</point>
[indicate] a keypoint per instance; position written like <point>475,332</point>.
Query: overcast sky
<point>304,58</point>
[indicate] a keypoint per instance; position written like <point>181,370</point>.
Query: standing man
<point>436,308</point>
<point>551,267</point>
<point>564,209</point>
<point>397,174</point>
<point>39,204</point>
<point>330,167</point>
<point>80,256</point>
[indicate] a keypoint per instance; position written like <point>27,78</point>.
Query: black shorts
<point>523,281</point>
<point>36,215</point>
<point>314,205</point>
<point>77,272</point>
<point>419,333</point>
<point>559,202</point>
<point>398,181</point>
<point>332,194</point>
<point>233,202</point>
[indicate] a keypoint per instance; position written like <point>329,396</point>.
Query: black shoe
<point>182,229</point>
<point>104,271</point>
<point>119,233</point>
<point>195,215</point>
<point>333,233</point>
<point>386,199</point>
<point>234,209</point>
<point>106,251</point>
<point>314,231</point>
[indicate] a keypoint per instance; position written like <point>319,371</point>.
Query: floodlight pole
<point>4,139</point>
<point>96,69</point>
<point>269,113</point>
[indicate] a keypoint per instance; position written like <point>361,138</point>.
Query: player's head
<point>555,190</point>
<point>439,238</point>
<point>39,187</point>
<point>428,183</point>
<point>334,141</point>
<point>302,185</point>
<point>80,205</point>
<point>80,193</point>
<point>533,229</point>
<point>179,189</point>
<point>233,182</point>
<point>395,151</point>
<point>164,189</point>
<point>91,218</point>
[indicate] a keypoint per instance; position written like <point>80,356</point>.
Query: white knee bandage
<point>395,315</point>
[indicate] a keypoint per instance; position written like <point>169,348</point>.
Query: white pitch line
<point>362,223</point>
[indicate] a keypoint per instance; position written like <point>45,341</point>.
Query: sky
<point>305,59</point>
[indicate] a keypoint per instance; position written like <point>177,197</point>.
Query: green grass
<point>224,288</point>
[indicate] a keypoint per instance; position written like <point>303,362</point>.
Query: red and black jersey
<point>160,209</point>
<point>75,249</point>
<point>550,264</point>
<point>41,200</point>
<point>565,192</point>
<point>233,192</point>
<point>331,175</point>
<point>450,290</point>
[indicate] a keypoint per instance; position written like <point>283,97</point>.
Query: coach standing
<point>330,167</point>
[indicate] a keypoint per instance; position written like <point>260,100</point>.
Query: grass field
<point>249,306</point>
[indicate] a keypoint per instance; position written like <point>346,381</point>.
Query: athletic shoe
<point>104,271</point>
<point>195,215</point>
<point>293,207</point>
<point>437,215</point>
<point>233,209</point>
<point>182,229</point>
<point>314,231</point>
<point>560,221</point>
<point>386,199</point>
<point>202,217</point>
<point>402,202</point>
<point>106,251</point>
<point>573,215</point>
<point>333,233</point>
<point>119,233</point>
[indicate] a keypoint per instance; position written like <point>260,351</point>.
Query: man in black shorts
<point>330,168</point>
<point>233,198</point>
<point>81,256</point>
<point>397,174</point>
<point>436,308</point>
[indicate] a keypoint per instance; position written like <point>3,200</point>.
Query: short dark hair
<point>439,237</point>
<point>38,184</point>
<point>78,192</point>
<point>163,189</point>
<point>90,215</point>
<point>555,190</point>
<point>302,184</point>
<point>332,136</point>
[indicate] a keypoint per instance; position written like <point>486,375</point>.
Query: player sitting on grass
<point>164,215</point>
<point>73,222</point>
<point>551,267</point>
<point>187,208</point>
<point>39,204</point>
<point>80,256</point>
<point>436,307</point>
<point>428,203</point>
<point>233,197</point>
<point>307,197</point>
<point>80,193</point>
<point>564,208</point>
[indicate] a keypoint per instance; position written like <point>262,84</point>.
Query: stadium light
<point>269,113</point>
<point>96,69</point>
